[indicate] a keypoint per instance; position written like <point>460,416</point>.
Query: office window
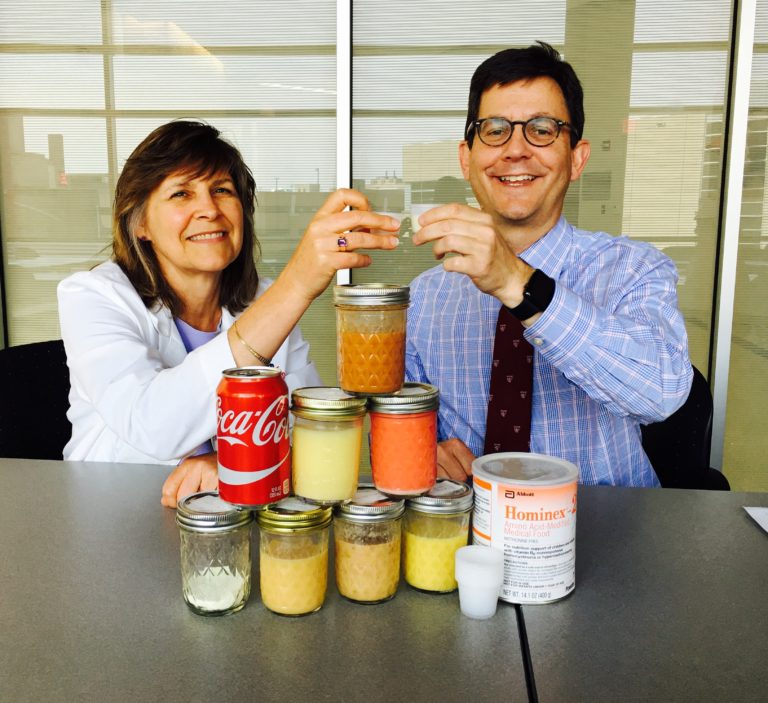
<point>82,84</point>
<point>655,95</point>
<point>746,443</point>
<point>654,103</point>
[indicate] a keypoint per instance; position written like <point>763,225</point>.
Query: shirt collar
<point>549,253</point>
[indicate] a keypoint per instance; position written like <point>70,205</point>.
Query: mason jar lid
<point>446,496</point>
<point>318,402</point>
<point>412,397</point>
<point>371,294</point>
<point>293,514</point>
<point>253,372</point>
<point>206,512</point>
<point>370,505</point>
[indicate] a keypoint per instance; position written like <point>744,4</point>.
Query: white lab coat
<point>137,395</point>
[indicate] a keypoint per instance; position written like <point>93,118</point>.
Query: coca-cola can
<point>254,451</point>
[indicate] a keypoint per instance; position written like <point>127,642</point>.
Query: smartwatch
<point>537,295</point>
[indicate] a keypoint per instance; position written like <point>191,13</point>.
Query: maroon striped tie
<point>508,425</point>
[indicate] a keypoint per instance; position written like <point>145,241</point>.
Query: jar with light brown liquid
<point>367,540</point>
<point>370,337</point>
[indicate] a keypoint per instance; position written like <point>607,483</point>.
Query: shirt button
<point>538,341</point>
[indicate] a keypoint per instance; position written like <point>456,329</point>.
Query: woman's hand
<point>194,474</point>
<point>322,251</point>
<point>330,243</point>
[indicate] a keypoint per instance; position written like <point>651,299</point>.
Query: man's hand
<point>193,475</point>
<point>454,460</point>
<point>483,254</point>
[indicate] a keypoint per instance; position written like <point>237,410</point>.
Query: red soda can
<point>254,451</point>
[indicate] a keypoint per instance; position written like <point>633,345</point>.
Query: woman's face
<point>195,226</point>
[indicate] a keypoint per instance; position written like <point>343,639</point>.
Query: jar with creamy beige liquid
<point>327,436</point>
<point>293,555</point>
<point>367,539</point>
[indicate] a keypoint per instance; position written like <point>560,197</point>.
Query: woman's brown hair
<point>196,149</point>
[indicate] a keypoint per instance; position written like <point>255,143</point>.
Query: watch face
<point>537,296</point>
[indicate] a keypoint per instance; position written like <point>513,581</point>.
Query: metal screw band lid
<point>370,505</point>
<point>371,294</point>
<point>253,372</point>
<point>446,496</point>
<point>412,397</point>
<point>293,514</point>
<point>206,512</point>
<point>320,401</point>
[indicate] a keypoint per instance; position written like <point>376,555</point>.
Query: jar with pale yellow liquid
<point>370,337</point>
<point>293,556</point>
<point>435,525</point>
<point>327,435</point>
<point>367,540</point>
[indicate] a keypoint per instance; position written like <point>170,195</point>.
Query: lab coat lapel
<point>169,343</point>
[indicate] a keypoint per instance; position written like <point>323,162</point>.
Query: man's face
<point>521,185</point>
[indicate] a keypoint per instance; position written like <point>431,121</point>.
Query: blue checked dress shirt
<point>611,352</point>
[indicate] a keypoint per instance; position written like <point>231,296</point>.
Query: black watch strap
<point>537,296</point>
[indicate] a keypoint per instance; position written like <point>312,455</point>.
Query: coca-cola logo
<point>271,425</point>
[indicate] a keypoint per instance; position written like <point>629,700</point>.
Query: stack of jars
<point>328,422</point>
<point>406,515</point>
<point>372,533</point>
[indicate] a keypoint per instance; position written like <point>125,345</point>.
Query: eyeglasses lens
<point>539,131</point>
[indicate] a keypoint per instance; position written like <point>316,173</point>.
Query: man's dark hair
<point>511,65</point>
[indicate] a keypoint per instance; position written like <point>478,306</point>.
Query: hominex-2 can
<point>525,506</point>
<point>254,451</point>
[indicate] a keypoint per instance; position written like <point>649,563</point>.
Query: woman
<point>148,333</point>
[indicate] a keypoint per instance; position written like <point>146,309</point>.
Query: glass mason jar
<point>215,554</point>
<point>327,434</point>
<point>293,556</point>
<point>367,542</point>
<point>434,527</point>
<point>404,440</point>
<point>370,337</point>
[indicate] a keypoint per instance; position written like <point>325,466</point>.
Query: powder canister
<point>525,506</point>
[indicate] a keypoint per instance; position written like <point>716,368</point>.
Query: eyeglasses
<point>538,131</point>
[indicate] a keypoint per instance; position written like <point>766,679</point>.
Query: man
<point>609,345</point>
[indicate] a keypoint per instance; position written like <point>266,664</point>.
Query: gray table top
<point>671,601</point>
<point>91,609</point>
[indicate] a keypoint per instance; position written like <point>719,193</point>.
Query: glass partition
<point>81,87</point>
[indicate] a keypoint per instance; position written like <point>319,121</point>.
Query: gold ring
<point>342,242</point>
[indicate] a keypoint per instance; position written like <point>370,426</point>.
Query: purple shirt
<point>193,339</point>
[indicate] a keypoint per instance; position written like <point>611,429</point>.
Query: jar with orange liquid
<point>293,556</point>
<point>370,337</point>
<point>403,440</point>
<point>434,527</point>
<point>367,540</point>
